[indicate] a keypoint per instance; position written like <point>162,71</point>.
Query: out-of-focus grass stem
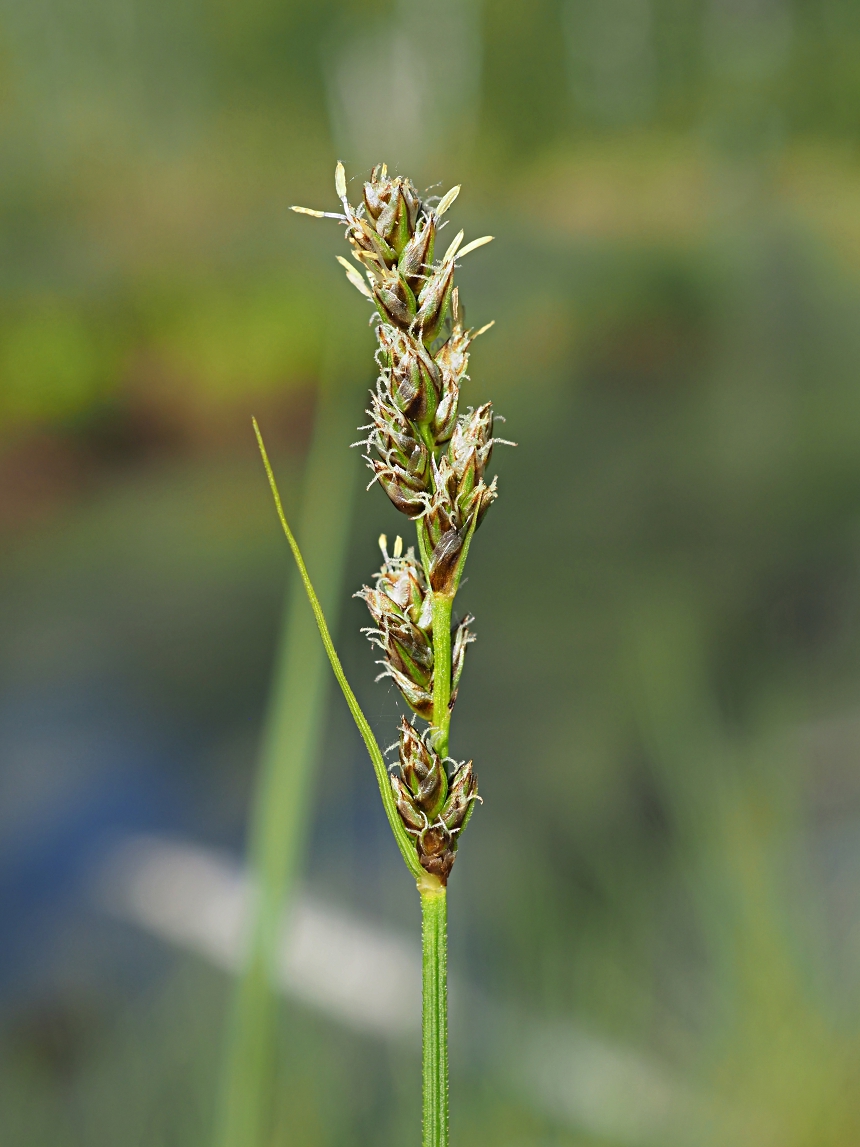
<point>281,808</point>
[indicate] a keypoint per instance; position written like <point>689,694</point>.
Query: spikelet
<point>400,605</point>
<point>423,352</point>
<point>433,806</point>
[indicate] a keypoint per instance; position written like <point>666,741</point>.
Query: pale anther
<point>340,181</point>
<point>475,244</point>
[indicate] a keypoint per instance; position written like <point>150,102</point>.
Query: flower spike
<point>432,460</point>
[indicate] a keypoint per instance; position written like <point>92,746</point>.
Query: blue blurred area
<point>80,769</point>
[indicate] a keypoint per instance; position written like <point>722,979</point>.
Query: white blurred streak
<point>183,894</point>
<point>363,975</point>
<point>369,978</point>
<point>621,1096</point>
<point>579,1079</point>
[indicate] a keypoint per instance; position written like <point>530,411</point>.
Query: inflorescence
<point>431,460</point>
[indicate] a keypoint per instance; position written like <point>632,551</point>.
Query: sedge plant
<point>431,459</point>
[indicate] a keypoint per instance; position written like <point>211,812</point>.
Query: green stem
<point>442,605</point>
<point>291,737</point>
<point>434,1017</point>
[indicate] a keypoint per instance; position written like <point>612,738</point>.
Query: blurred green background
<point>657,912</point>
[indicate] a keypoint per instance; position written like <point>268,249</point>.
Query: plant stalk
<point>434,1015</point>
<point>434,916</point>
<point>443,604</point>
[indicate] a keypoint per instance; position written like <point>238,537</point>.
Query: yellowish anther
<point>398,546</point>
<point>385,171</point>
<point>484,328</point>
<point>475,244</point>
<point>452,250</point>
<point>354,277</point>
<point>446,201</point>
<point>309,211</point>
<point>383,545</point>
<point>340,180</point>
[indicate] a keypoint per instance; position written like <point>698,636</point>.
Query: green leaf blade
<point>404,841</point>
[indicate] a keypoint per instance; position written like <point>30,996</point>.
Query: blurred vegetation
<point>663,701</point>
